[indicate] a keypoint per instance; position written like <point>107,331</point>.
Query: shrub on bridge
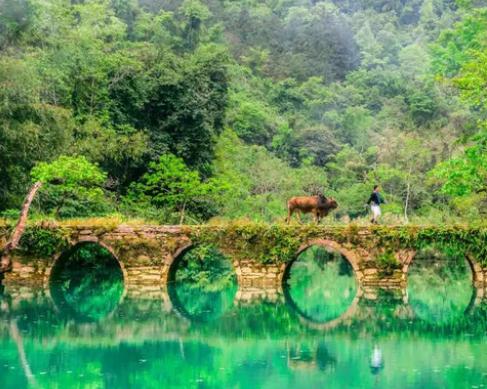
<point>41,242</point>
<point>387,262</point>
<point>278,243</point>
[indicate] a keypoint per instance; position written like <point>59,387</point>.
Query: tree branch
<point>6,261</point>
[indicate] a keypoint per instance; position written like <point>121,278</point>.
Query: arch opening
<point>202,283</point>
<point>320,284</point>
<point>87,282</point>
<point>440,284</point>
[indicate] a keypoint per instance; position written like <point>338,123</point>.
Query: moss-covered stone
<point>380,255</point>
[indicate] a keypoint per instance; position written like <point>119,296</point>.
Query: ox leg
<point>316,217</point>
<point>289,215</point>
<point>298,212</point>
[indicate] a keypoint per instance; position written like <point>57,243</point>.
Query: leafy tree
<point>371,48</point>
<point>253,120</point>
<point>402,169</point>
<point>170,184</point>
<point>15,21</point>
<point>461,57</point>
<point>30,130</point>
<point>196,13</point>
<point>185,110</point>
<point>467,173</point>
<point>73,182</point>
<point>120,151</point>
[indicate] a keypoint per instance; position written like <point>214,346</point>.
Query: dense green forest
<point>186,111</point>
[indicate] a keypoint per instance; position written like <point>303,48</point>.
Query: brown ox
<point>319,206</point>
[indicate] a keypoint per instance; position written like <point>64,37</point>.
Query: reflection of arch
<point>474,302</point>
<point>174,300</point>
<point>351,258</point>
<point>177,306</point>
<point>66,254</point>
<point>311,323</point>
<point>172,267</point>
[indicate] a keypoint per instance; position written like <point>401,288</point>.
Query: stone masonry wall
<point>146,254</point>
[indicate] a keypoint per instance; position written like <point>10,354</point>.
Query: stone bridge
<point>261,254</point>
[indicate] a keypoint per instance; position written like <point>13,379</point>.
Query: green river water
<point>87,333</point>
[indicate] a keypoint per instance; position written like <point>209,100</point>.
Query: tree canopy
<point>225,109</point>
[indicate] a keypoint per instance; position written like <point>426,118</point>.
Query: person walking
<point>375,200</point>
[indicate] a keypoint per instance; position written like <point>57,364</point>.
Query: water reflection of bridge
<point>30,316</point>
<point>136,318</point>
<point>149,329</point>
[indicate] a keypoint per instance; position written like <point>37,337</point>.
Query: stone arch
<point>73,246</point>
<point>171,265</point>
<point>475,300</point>
<point>324,326</point>
<point>352,258</point>
<point>349,255</point>
<point>170,268</point>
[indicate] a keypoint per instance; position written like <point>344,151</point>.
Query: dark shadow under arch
<point>474,302</point>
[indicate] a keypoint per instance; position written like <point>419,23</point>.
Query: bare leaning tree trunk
<point>408,195</point>
<point>182,214</point>
<point>406,205</point>
<point>6,261</point>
